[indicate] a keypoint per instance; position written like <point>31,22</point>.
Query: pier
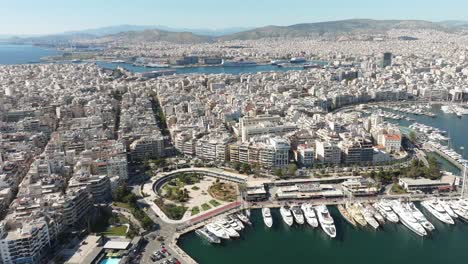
<point>428,146</point>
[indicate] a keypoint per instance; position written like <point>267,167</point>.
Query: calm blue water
<point>204,69</point>
<point>110,261</point>
<point>21,54</point>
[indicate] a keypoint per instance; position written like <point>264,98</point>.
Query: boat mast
<point>464,181</point>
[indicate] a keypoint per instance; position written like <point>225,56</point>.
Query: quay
<point>428,146</point>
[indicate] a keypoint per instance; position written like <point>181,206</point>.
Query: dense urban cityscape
<point>153,146</point>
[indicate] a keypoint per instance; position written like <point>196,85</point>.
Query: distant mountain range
<point>162,33</point>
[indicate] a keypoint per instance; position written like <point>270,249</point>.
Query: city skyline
<point>26,17</point>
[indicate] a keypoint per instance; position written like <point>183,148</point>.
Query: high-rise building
<point>387,59</point>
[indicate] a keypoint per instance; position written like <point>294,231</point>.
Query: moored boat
<point>326,220</point>
<point>267,218</point>
<point>286,215</point>
<point>309,214</point>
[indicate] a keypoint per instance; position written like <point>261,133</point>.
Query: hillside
<point>334,28</point>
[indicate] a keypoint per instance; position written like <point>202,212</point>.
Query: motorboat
<point>368,216</point>
<point>378,216</point>
<point>326,220</point>
<point>309,214</point>
<point>385,208</point>
<point>356,214</point>
<point>286,215</point>
<point>437,211</point>
<point>207,235</point>
<point>419,216</point>
<point>297,213</point>
<point>217,230</point>
<point>228,228</point>
<point>406,217</point>
<point>267,218</point>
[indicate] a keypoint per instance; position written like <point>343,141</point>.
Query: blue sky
<point>54,16</point>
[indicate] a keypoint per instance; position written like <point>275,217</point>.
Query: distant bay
<point>21,54</point>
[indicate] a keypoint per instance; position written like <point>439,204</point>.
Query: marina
<point>314,243</point>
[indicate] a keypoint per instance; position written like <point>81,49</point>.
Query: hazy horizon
<point>28,17</point>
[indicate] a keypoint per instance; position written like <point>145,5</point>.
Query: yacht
<point>217,230</point>
<point>267,218</point>
<point>385,208</point>
<point>228,228</point>
<point>244,218</point>
<point>346,215</point>
<point>286,214</point>
<point>233,224</point>
<point>297,213</point>
<point>458,210</point>
<point>378,216</point>
<point>448,209</point>
<point>207,235</point>
<point>326,221</point>
<point>419,216</point>
<point>438,211</point>
<point>297,60</point>
<point>406,217</point>
<point>309,214</point>
<point>355,213</point>
<point>368,216</point>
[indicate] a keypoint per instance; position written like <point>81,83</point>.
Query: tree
<point>412,136</point>
<point>292,168</point>
<point>245,168</point>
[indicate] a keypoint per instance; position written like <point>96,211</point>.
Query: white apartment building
<point>327,152</point>
<point>23,241</point>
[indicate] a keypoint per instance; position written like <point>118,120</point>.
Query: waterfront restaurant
<point>446,183</point>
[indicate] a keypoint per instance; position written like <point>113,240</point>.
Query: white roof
<point>117,245</point>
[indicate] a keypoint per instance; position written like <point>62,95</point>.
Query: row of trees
<point>123,194</point>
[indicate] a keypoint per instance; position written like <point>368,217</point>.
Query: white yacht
<point>326,221</point>
<point>232,223</point>
<point>419,216</point>
<point>309,214</point>
<point>438,211</point>
<point>378,216</point>
<point>286,214</point>
<point>267,218</point>
<point>406,217</point>
<point>458,210</point>
<point>297,213</point>
<point>217,230</point>
<point>243,218</point>
<point>448,209</point>
<point>368,216</point>
<point>228,228</point>
<point>385,208</point>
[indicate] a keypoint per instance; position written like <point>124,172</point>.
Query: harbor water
<point>21,54</point>
<point>303,244</point>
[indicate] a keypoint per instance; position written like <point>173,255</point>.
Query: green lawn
<point>205,207</point>
<point>195,210</point>
<point>214,203</point>
<point>116,231</point>
<point>123,205</point>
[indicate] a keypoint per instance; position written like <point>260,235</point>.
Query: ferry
<point>297,60</point>
<point>346,215</point>
<point>437,211</point>
<point>419,216</point>
<point>267,218</point>
<point>407,219</point>
<point>240,63</point>
<point>297,213</point>
<point>309,214</point>
<point>217,230</point>
<point>286,214</point>
<point>325,220</point>
<point>156,65</point>
<point>385,208</point>
<point>207,235</point>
